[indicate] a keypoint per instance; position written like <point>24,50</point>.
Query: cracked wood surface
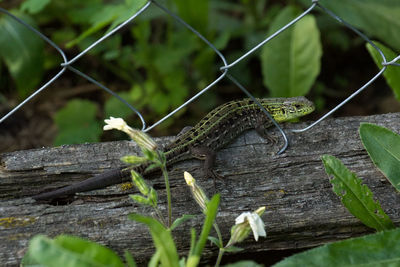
<point>301,209</point>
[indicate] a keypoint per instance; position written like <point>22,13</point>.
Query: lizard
<point>214,131</point>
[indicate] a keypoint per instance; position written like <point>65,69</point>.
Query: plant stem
<point>159,215</point>
<point>221,250</point>
<point>220,253</point>
<point>167,187</point>
<point>218,232</point>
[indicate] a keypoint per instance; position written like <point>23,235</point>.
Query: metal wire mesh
<point>67,64</point>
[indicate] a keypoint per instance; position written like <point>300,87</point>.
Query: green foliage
<point>357,198</point>
<point>211,213</point>
<point>181,220</point>
<point>162,239</point>
<point>291,61</point>
<point>383,146</point>
<point>108,14</point>
<point>379,18</point>
<point>160,63</point>
<point>380,249</point>
<point>195,13</point>
<point>68,251</point>
<point>130,261</point>
<point>34,6</point>
<point>392,73</point>
<point>22,52</point>
<point>77,122</point>
<point>114,108</point>
<point>166,253</point>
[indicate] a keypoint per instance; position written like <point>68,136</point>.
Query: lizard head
<point>284,109</point>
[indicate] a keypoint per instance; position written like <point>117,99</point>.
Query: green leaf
<point>380,249</point>
<point>211,213</point>
<point>112,14</point>
<point>77,123</point>
<point>392,73</point>
<point>22,52</point>
<point>155,259</point>
<point>383,146</point>
<point>130,261</point>
<point>215,241</point>
<point>357,198</point>
<point>180,220</point>
<point>71,251</point>
<point>34,6</point>
<point>233,249</point>
<point>291,61</point>
<point>379,18</point>
<point>162,239</point>
<point>195,13</point>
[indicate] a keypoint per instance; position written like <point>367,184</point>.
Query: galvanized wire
<point>66,65</point>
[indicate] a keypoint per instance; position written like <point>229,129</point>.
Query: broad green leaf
<point>162,239</point>
<point>77,123</point>
<point>383,146</point>
<point>90,251</point>
<point>378,250</point>
<point>22,52</point>
<point>356,197</point>
<point>180,220</point>
<point>291,61</point>
<point>71,251</point>
<point>392,73</point>
<point>377,18</point>
<point>34,6</point>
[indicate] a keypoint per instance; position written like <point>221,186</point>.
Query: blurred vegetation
<point>156,64</point>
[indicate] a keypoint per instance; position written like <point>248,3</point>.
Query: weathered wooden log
<point>301,209</point>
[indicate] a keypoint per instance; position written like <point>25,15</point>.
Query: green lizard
<point>215,130</point>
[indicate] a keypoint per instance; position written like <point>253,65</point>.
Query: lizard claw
<point>213,174</point>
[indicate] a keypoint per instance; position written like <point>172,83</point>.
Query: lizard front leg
<point>208,155</point>
<point>261,128</point>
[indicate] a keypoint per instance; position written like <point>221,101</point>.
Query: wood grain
<point>301,209</point>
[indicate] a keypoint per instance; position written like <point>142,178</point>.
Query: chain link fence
<point>225,66</point>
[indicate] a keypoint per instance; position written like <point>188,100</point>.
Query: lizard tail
<point>102,180</point>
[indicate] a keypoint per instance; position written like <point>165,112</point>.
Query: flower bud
<point>132,159</point>
<point>198,194</point>
<point>140,183</point>
<point>140,199</point>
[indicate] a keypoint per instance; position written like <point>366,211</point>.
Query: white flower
<point>115,123</point>
<point>141,138</point>
<point>255,222</point>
